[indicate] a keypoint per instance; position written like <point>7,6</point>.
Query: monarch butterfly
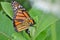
<point>21,19</point>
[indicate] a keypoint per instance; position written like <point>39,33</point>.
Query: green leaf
<point>7,8</point>
<point>6,25</point>
<point>42,35</point>
<point>54,31</point>
<point>57,30</point>
<point>26,35</point>
<point>18,36</point>
<point>3,36</point>
<point>42,20</point>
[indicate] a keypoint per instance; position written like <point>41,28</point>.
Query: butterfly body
<point>21,19</point>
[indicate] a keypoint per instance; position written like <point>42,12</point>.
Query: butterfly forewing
<point>21,19</point>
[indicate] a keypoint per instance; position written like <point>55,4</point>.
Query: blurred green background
<point>47,25</point>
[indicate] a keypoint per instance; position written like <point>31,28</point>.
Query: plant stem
<point>53,31</point>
